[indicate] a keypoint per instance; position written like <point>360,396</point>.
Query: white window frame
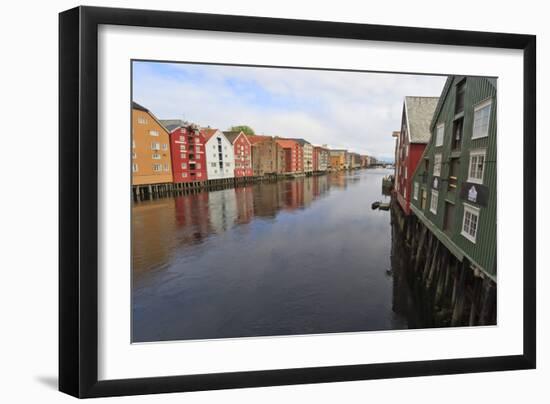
<point>156,156</point>
<point>415,191</point>
<point>477,108</point>
<point>475,153</point>
<point>438,165</point>
<point>439,134</point>
<point>135,167</point>
<point>154,132</point>
<point>432,208</point>
<point>155,146</point>
<point>472,210</point>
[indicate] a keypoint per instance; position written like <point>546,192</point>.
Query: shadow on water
<point>298,256</point>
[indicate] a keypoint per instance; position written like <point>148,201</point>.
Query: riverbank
<point>153,191</point>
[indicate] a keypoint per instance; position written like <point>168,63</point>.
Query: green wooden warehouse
<point>454,187</point>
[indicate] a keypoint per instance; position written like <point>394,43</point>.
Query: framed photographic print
<point>251,201</point>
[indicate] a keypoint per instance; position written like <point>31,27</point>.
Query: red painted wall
<point>243,156</point>
<point>294,155</point>
<point>316,151</point>
<point>411,161</point>
<point>184,144</point>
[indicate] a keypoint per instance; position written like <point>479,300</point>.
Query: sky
<point>357,111</point>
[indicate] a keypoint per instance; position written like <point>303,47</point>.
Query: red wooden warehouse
<point>243,153</point>
<point>187,150</point>
<point>411,142</point>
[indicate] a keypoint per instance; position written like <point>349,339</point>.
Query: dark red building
<point>411,142</point>
<point>187,151</point>
<point>294,155</point>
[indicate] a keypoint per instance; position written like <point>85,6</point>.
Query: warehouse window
<point>157,167</point>
<point>156,156</point>
<point>154,132</point>
<point>437,165</point>
<point>477,166</point>
<point>439,134</point>
<point>134,167</point>
<point>423,199</point>
<point>482,113</point>
<point>433,202</point>
<point>142,120</point>
<point>415,192</point>
<point>470,222</point>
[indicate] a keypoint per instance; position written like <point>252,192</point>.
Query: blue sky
<point>353,110</point>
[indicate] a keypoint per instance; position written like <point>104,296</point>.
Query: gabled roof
<point>233,135</point>
<point>172,124</point>
<point>419,112</point>
<point>139,107</point>
<point>135,105</point>
<point>448,84</point>
<point>209,132</point>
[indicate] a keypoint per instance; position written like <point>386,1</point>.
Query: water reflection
<point>298,256</point>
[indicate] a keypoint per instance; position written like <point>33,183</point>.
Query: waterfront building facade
<point>294,156</point>
<point>354,161</point>
<point>187,151</point>
<point>151,159</point>
<point>306,153</point>
<point>242,149</point>
<point>454,185</point>
<point>220,161</point>
<point>411,141</point>
<point>321,158</point>
<point>338,159</point>
<point>268,157</point>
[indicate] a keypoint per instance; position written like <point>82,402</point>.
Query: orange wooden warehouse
<point>151,162</point>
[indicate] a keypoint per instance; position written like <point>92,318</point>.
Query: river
<point>298,256</point>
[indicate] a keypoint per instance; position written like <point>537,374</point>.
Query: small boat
<point>375,205</point>
<point>384,206</point>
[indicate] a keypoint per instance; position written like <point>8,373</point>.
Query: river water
<point>300,256</point>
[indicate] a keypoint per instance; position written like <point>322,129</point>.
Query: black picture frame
<point>78,200</point>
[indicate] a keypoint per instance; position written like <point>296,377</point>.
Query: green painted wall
<point>483,251</point>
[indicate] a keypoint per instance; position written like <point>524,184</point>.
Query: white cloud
<point>357,111</point>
